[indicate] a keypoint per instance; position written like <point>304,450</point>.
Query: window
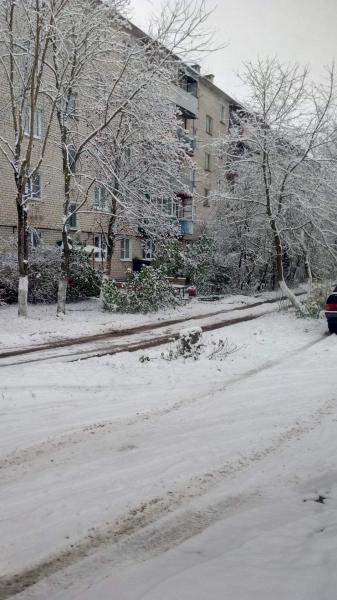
<point>125,249</point>
<point>33,187</point>
<point>72,158</point>
<point>100,198</point>
<point>223,114</point>
<point>38,120</point>
<point>208,161</point>
<point>100,252</point>
<point>72,105</point>
<point>167,207</point>
<point>206,197</point>
<point>149,250</point>
<point>72,221</point>
<point>189,84</point>
<point>35,238</point>
<point>209,125</point>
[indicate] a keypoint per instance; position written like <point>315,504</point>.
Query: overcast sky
<point>303,31</point>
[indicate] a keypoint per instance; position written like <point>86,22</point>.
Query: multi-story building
<point>205,113</point>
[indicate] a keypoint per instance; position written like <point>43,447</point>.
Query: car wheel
<point>332,328</point>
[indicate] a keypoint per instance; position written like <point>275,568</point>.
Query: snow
<point>176,479</point>
<point>85,318</point>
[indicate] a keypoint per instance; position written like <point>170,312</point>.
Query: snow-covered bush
<point>316,301</point>
<point>85,281</point>
<point>143,292</point>
<point>44,269</point>
<point>8,279</point>
<point>44,266</point>
<point>204,267</point>
<point>188,345</point>
<point>170,257</point>
<point>199,261</point>
<point>222,349</point>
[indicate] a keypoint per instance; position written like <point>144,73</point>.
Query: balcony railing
<point>185,100</point>
<point>186,226</point>
<point>188,140</point>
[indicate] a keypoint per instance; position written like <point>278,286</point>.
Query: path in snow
<point>133,339</point>
<point>88,487</point>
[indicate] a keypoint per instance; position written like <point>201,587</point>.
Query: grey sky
<point>303,31</point>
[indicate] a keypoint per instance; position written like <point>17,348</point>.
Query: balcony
<point>185,100</point>
<point>188,140</point>
<point>186,226</point>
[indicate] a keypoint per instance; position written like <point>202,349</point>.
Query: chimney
<point>196,68</point>
<point>210,78</point>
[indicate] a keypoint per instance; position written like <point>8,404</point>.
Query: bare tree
<point>275,184</point>
<point>25,40</point>
<point>141,162</point>
<point>109,67</point>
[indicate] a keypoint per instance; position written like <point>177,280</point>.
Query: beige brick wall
<point>211,100</point>
<point>45,214</point>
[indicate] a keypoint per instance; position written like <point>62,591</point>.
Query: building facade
<point>204,114</point>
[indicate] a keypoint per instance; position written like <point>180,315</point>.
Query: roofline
<point>140,34</point>
<point>212,86</point>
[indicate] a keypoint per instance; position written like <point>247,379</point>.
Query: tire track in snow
<point>50,448</point>
<point>153,510</point>
<point>126,347</point>
<point>116,333</point>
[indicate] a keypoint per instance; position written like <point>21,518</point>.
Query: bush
<point>198,261</point>
<point>188,345</point>
<point>170,257</point>
<point>8,279</point>
<point>85,281</point>
<point>143,292</point>
<point>204,268</point>
<point>44,271</point>
<point>316,301</point>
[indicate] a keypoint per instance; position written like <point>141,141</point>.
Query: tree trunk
<point>308,272</point>
<point>65,272</point>
<point>277,239</point>
<point>109,255</point>
<point>307,263</point>
<point>22,258</point>
<point>110,242</point>
<point>286,291</point>
<point>66,250</point>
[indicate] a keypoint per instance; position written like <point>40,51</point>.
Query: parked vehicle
<point>331,311</point>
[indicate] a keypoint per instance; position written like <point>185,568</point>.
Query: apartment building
<point>205,112</point>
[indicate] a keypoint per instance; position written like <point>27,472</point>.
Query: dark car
<point>331,311</point>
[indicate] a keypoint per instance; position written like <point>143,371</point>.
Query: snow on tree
<point>118,76</point>
<point>140,165</point>
<point>25,42</point>
<point>277,200</point>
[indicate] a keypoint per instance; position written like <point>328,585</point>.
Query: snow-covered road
<point>107,464</point>
<point>148,333</point>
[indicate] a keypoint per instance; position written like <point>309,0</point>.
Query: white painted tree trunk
<point>309,274</point>
<point>62,296</point>
<point>23,297</point>
<point>105,278</point>
<point>291,296</point>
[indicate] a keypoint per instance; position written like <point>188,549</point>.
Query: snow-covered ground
<point>86,318</point>
<point>167,480</point>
